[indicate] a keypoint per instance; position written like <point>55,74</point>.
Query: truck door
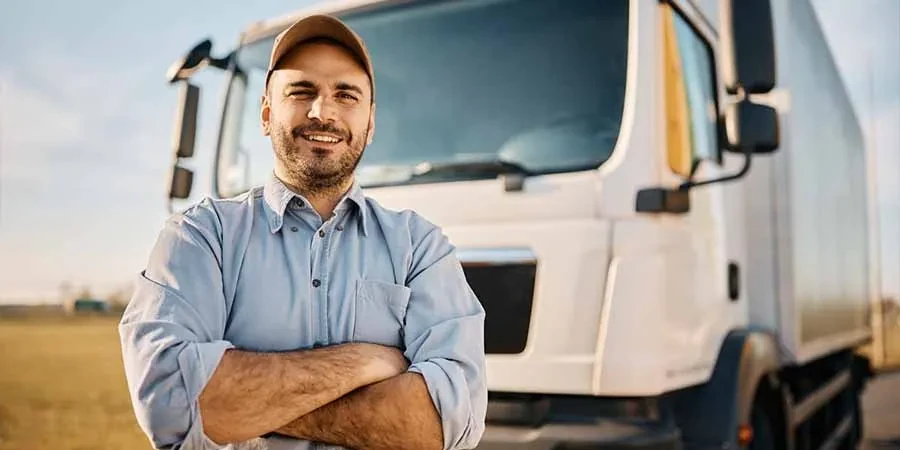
<point>698,253</point>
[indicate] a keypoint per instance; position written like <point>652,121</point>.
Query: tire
<point>854,437</point>
<point>763,430</point>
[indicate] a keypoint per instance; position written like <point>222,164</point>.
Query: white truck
<point>645,285</point>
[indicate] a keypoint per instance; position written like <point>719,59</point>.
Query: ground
<point>881,411</point>
<point>62,386</point>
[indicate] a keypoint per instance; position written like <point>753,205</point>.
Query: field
<point>62,386</point>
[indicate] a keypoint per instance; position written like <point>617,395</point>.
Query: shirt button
<point>294,229</point>
<point>317,283</point>
<point>321,233</point>
<point>340,228</point>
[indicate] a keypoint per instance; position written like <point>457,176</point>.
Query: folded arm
<point>251,394</point>
<point>395,414</point>
<point>189,387</point>
<point>441,402</point>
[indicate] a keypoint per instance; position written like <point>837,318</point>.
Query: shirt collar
<point>278,196</point>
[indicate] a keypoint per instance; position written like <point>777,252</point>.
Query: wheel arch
<point>711,413</point>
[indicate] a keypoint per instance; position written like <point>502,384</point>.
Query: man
<point>302,314</point>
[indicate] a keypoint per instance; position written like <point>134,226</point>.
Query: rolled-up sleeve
<point>444,337</point>
<point>172,331</point>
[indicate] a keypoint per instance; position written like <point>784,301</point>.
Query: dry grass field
<point>62,386</point>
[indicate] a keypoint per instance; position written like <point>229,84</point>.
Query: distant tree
<point>85,293</point>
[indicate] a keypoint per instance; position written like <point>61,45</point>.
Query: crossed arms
<point>251,394</point>
<point>192,389</point>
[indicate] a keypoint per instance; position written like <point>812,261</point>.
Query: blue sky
<point>86,115</point>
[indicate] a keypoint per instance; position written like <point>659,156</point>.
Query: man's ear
<point>371,134</point>
<point>265,112</point>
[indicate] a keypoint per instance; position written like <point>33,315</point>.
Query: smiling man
<point>302,314</point>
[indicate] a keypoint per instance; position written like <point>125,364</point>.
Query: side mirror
<point>192,61</point>
<point>752,128</point>
<point>186,120</point>
<point>183,137</point>
<point>182,181</point>
<point>749,41</point>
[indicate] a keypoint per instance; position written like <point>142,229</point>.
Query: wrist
<point>369,370</point>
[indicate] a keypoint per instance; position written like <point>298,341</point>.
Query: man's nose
<point>320,109</point>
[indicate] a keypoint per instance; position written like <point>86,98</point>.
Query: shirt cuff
<point>197,363</point>
<point>449,392</point>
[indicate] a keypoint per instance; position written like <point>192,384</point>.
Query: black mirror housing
<point>195,60</point>
<point>749,39</point>
<point>182,181</point>
<point>192,61</point>
<point>185,130</point>
<point>752,128</point>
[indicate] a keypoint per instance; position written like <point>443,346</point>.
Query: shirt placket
<point>301,217</point>
<point>318,286</point>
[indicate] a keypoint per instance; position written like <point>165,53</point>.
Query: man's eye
<point>299,93</point>
<point>347,96</point>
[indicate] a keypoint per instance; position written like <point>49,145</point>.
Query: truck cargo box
<point>809,277</point>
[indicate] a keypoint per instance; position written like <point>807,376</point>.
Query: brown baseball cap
<point>320,26</point>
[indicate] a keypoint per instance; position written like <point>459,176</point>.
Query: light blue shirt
<point>263,272</point>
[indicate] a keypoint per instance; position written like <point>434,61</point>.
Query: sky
<point>86,117</point>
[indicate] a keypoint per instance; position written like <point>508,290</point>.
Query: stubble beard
<point>315,176</point>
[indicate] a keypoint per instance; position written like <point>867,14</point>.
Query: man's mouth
<point>322,138</point>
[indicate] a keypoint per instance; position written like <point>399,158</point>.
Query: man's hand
<point>251,394</point>
<point>395,414</point>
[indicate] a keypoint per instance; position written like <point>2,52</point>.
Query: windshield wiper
<point>494,166</point>
<point>514,178</point>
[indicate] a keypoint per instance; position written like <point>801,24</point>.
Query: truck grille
<point>506,290</point>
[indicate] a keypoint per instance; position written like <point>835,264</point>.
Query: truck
<point>664,206</point>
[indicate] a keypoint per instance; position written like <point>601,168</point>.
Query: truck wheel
<point>854,437</point>
<point>763,433</point>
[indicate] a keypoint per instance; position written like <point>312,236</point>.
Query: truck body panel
<point>807,205</point>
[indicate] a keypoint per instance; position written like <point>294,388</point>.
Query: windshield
<point>536,83</point>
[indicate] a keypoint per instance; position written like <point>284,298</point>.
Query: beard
<point>316,173</point>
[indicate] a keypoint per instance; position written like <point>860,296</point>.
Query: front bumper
<point>602,435</point>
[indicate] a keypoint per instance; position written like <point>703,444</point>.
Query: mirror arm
<point>748,157</point>
<point>221,63</point>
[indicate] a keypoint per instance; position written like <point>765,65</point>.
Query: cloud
<point>32,120</point>
<point>83,171</point>
<point>76,119</point>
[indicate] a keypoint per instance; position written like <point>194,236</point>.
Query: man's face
<point>319,114</point>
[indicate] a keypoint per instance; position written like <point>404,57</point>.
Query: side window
<point>690,94</point>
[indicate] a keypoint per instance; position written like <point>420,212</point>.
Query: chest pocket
<point>380,312</point>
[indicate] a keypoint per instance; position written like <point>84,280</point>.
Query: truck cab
<point>608,172</point>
